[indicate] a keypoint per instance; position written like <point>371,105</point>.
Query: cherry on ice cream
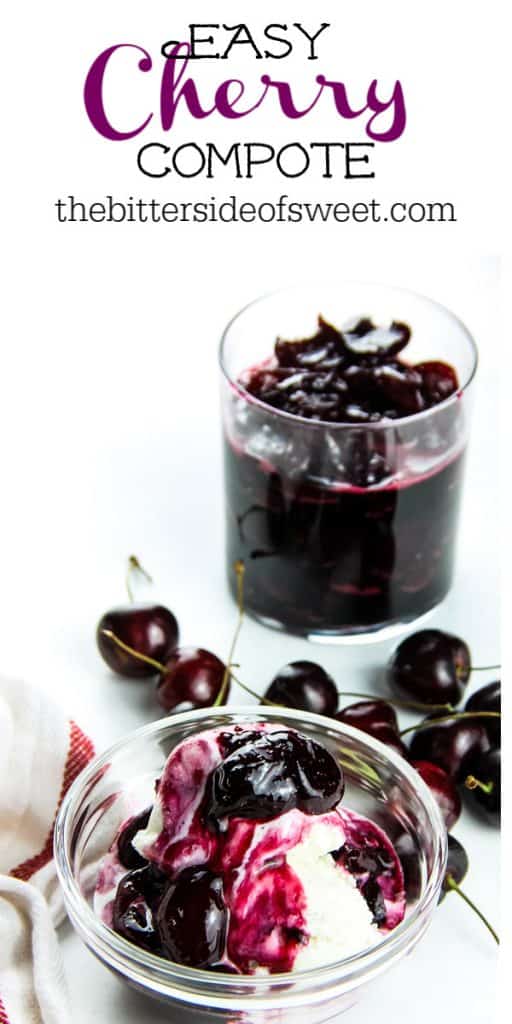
<point>268,774</point>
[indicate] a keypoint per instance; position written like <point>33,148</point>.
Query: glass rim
<point>316,423</point>
<point>228,988</point>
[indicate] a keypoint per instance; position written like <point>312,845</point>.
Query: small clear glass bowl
<point>379,784</point>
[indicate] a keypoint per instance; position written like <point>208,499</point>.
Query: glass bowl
<point>120,783</point>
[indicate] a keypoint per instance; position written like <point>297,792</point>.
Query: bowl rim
<point>228,988</point>
<point>312,423</point>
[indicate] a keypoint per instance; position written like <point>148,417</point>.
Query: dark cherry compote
<point>343,469</point>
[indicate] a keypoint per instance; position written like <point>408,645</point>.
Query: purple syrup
<point>128,855</point>
<point>319,559</point>
<point>269,774</point>
<point>368,864</point>
<point>267,923</point>
<point>372,893</point>
<point>352,528</point>
<point>373,862</point>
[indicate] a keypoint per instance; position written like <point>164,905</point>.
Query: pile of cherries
<point>141,641</point>
<point>350,376</point>
<point>454,751</point>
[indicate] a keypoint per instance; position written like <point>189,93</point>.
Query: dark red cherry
<point>150,629</point>
<point>410,858</point>
<point>390,738</point>
<point>137,897</point>
<point>443,790</point>
<point>488,698</point>
<point>456,870</point>
<point>438,381</point>
<point>456,866</point>
<point>306,686</point>
<point>483,784</point>
<point>128,855</point>
<point>452,745</point>
<point>193,918</point>
<point>369,714</point>
<point>376,718</point>
<point>267,774</point>
<point>192,678</point>
<point>431,666</point>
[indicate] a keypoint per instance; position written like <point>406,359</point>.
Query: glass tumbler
<point>345,529</point>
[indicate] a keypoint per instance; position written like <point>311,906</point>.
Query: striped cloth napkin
<point>41,753</point>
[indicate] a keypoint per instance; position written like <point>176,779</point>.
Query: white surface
<point>109,410</point>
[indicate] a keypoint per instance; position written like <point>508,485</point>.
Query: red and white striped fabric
<point>40,754</point>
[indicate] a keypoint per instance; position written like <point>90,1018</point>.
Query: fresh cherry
<point>369,715</point>
<point>451,744</point>
<point>483,783</point>
<point>410,858</point>
<point>191,678</point>
<point>457,865</point>
<point>488,698</point>
<point>266,774</point>
<point>376,718</point>
<point>193,918</point>
<point>150,629</point>
<point>456,870</point>
<point>443,789</point>
<point>390,738</point>
<point>305,686</point>
<point>431,666</point>
<point>128,855</point>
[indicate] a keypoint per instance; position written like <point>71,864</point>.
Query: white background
<point>109,408</point>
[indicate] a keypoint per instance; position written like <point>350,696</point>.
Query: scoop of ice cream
<point>259,870</point>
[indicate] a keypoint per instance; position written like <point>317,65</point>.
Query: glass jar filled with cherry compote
<point>346,418</point>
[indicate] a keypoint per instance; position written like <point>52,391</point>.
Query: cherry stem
<point>450,718</point>
<point>239,568</point>
<point>134,566</point>
<point>262,700</point>
<point>471,783</point>
<point>412,704</point>
<point>157,665</point>
<point>484,668</point>
<point>451,884</point>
